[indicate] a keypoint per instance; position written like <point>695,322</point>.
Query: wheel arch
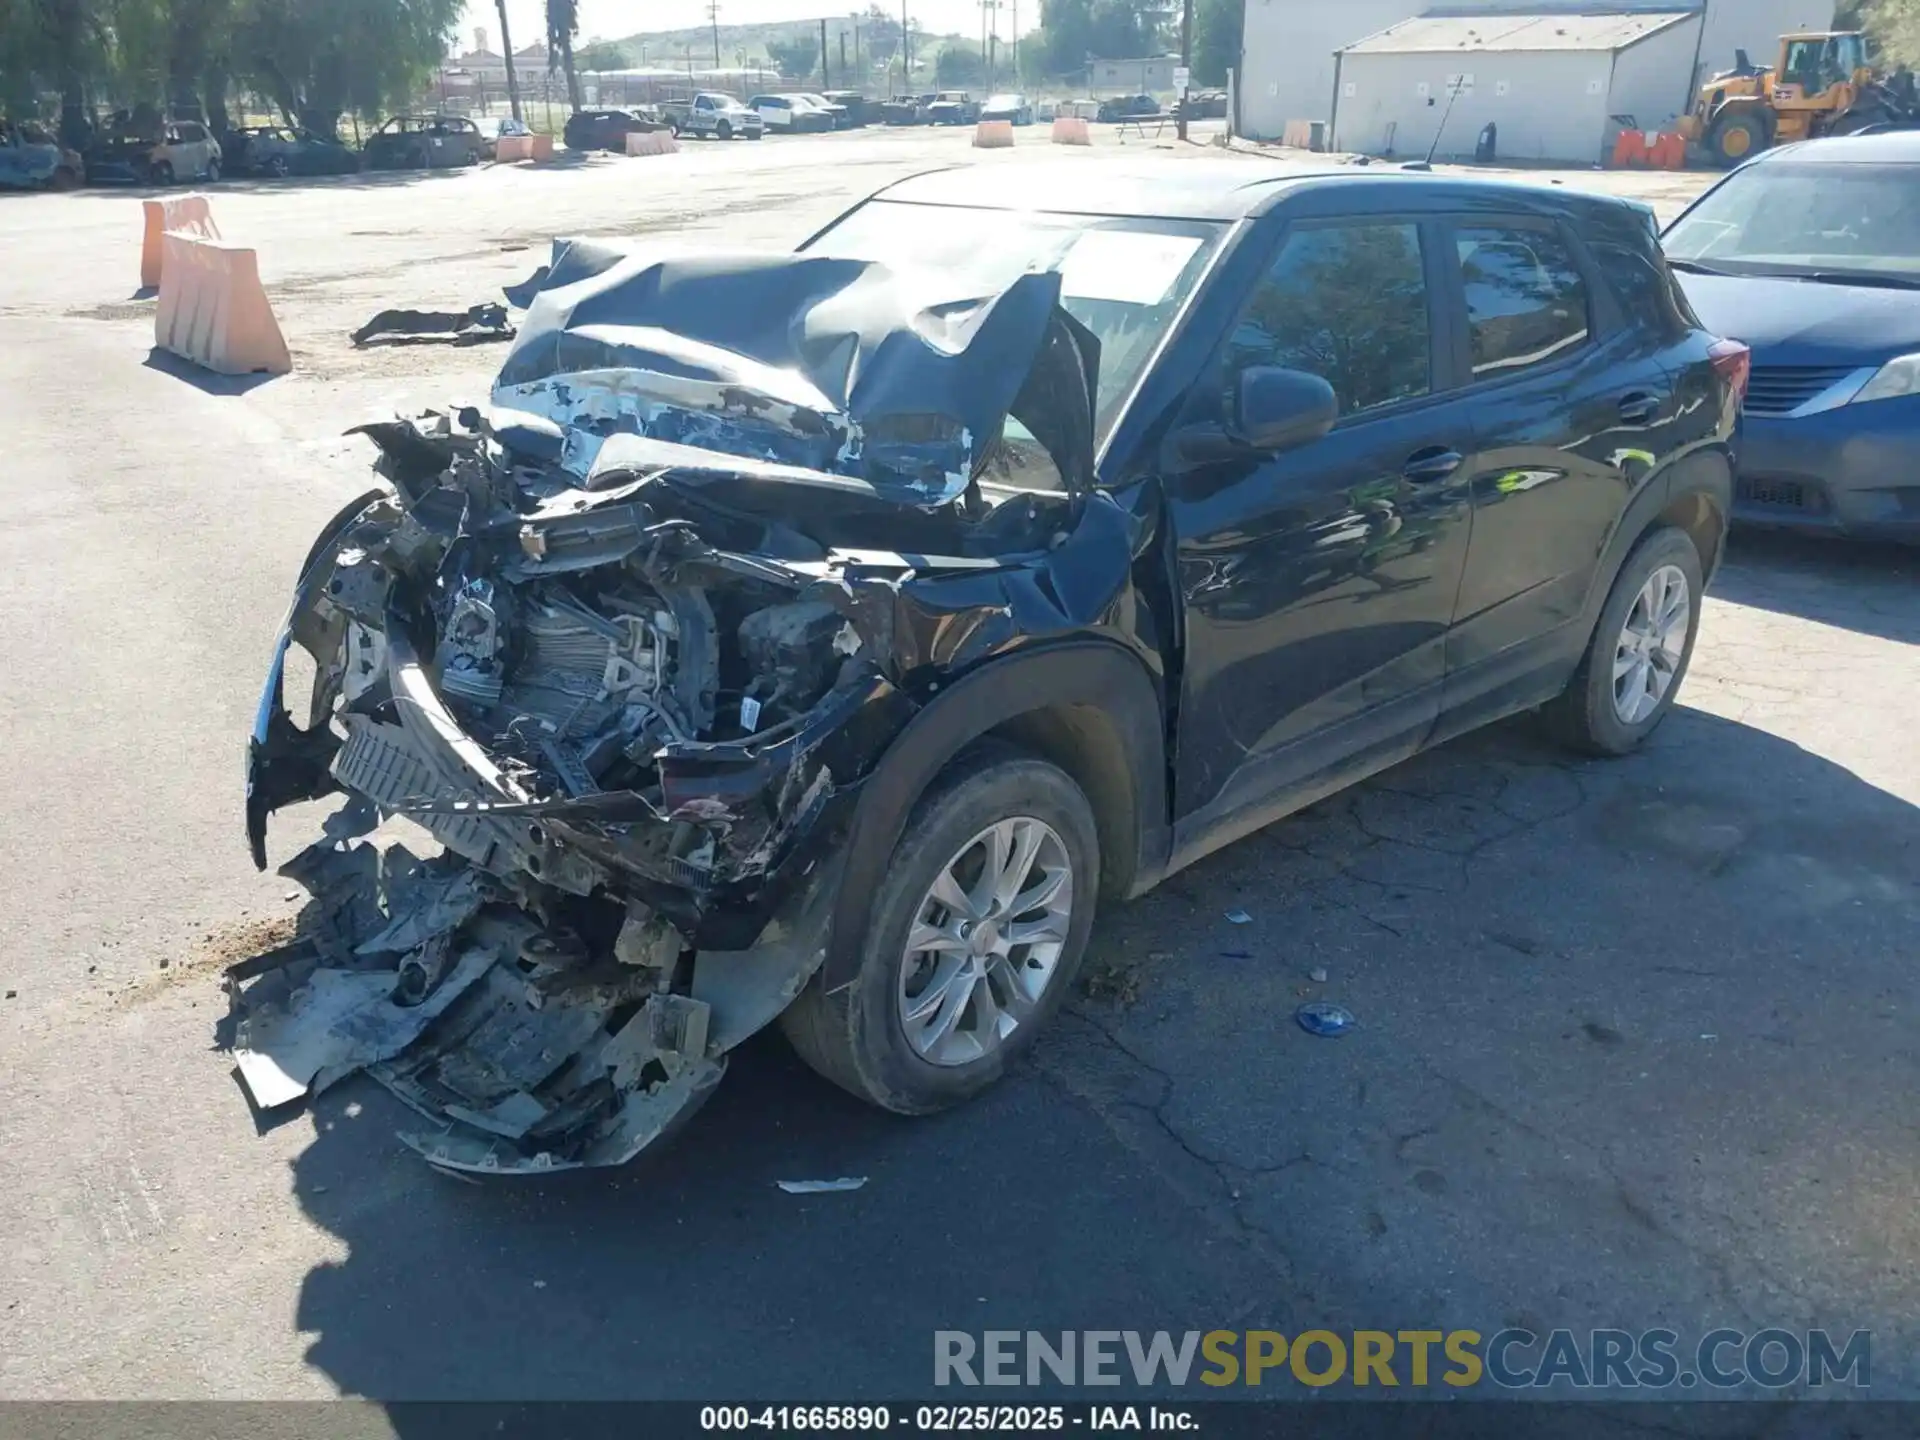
<point>1089,707</point>
<point>1695,495</point>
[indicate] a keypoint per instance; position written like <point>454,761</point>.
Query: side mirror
<point>1277,409</point>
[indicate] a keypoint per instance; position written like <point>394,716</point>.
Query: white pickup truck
<point>719,116</point>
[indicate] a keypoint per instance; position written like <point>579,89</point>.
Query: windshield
<point>1779,218</point>
<point>1124,279</point>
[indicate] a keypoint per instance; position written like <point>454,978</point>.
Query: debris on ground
<point>1317,975</point>
<point>822,1187</point>
<point>476,325</point>
<point>1239,917</point>
<point>1320,1017</point>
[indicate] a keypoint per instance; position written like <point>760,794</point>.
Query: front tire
<point>973,939</point>
<point>724,130</point>
<point>1737,138</point>
<point>1639,652</point>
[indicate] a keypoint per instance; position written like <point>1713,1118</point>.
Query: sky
<point>615,19</point>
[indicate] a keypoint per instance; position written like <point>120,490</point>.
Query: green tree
<point>1217,27</point>
<point>795,58</point>
<point>318,59</point>
<point>602,55</point>
<point>959,65</point>
<point>1895,24</point>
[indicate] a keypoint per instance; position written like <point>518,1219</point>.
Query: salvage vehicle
<point>790,115</point>
<point>714,117</point>
<point>31,159</point>
<point>859,110</point>
<point>1811,254</point>
<point>1015,109</point>
<point>832,109</point>
<point>186,151</point>
<point>277,152</point>
<point>905,110</point>
<point>952,107</point>
<point>608,129</point>
<point>425,142</point>
<point>1119,109</point>
<point>817,639</point>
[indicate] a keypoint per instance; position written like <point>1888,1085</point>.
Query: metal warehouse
<point>1555,87</point>
<point>1289,48</point>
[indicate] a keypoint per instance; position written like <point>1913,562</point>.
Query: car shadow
<point>1871,588</point>
<point>1088,1188</point>
<point>207,381</point>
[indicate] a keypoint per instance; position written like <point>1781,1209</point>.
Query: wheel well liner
<point>1089,707</point>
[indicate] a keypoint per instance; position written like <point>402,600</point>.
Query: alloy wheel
<point>985,942</point>
<point>1652,643</point>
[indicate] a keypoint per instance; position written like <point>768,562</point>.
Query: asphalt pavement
<point>1634,1042</point>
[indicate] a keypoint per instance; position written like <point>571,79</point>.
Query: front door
<point>1318,584</point>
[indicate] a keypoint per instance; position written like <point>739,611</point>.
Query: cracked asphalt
<point>1634,1041</point>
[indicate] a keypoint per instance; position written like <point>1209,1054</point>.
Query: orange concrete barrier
<point>1298,134</point>
<point>993,135</point>
<point>189,213</point>
<point>213,309</point>
<point>514,147</point>
<point>542,148</point>
<point>652,142</point>
<point>1071,130</point>
<point>1650,148</point>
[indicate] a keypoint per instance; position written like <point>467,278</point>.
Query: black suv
<point>607,129</point>
<point>1086,518</point>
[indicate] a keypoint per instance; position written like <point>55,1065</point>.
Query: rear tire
<point>857,1036</point>
<point>1591,715</point>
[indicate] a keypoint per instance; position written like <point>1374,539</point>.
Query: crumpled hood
<point>895,376</point>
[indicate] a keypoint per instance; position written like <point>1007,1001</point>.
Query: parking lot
<point>1634,1042</point>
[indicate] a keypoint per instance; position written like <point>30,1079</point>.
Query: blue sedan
<point>1810,254</point>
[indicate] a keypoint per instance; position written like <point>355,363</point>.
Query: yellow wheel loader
<point>1825,83</point>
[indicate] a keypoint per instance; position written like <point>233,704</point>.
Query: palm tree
<point>506,50</point>
<point>563,23</point>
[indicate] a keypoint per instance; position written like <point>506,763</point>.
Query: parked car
<point>1127,107</point>
<point>186,151</point>
<point>607,129</point>
<point>1150,566</point>
<point>1811,254</point>
<point>31,159</point>
<point>860,110</point>
<point>494,128</point>
<point>1207,105</point>
<point>425,142</point>
<point>905,110</point>
<point>952,107</point>
<point>789,114</point>
<point>277,151</point>
<point>714,117</point>
<point>834,111</point>
<point>1014,108</point>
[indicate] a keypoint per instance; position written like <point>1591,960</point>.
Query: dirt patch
<point>212,952</point>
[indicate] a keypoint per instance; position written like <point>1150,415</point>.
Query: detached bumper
<point>1853,470</point>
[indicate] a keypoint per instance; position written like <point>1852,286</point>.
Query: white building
<point>1288,46</point>
<point>1556,87</point>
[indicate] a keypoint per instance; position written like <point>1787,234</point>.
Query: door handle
<point>1638,408</point>
<point>1436,462</point>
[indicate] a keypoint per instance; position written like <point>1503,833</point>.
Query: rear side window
<point>1527,301</point>
<point>1347,303</point>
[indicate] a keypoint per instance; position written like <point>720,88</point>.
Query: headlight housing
<point>1899,376</point>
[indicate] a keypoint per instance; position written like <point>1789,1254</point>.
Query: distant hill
<point>753,42</point>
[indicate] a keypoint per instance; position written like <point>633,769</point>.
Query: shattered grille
<point>1782,389</point>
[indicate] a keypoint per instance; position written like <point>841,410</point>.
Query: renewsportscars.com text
<point>1513,1359</point>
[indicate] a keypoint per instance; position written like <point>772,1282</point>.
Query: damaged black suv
<point>819,637</point>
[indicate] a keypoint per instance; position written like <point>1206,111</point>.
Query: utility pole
<point>906,51</point>
<point>1186,59</point>
<point>1016,44</point>
<point>713,14</point>
<point>826,83</point>
<point>506,53</point>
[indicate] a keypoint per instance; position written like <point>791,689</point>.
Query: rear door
<point>1318,583</point>
<point>1571,403</point>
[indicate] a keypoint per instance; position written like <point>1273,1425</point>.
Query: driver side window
<point>1346,302</point>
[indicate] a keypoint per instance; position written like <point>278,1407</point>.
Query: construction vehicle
<point>1826,83</point>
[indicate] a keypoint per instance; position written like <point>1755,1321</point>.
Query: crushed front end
<point>626,644</point>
